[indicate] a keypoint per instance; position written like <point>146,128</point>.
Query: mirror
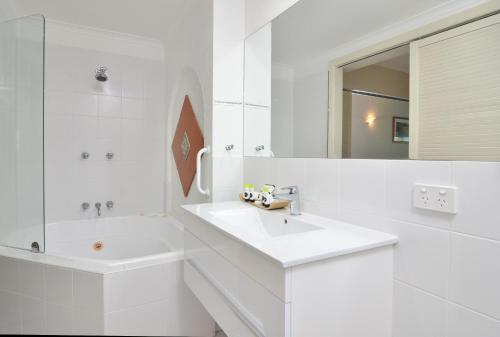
<point>431,97</point>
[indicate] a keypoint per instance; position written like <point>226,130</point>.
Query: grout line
<point>447,301</point>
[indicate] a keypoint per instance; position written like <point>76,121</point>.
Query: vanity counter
<point>289,240</point>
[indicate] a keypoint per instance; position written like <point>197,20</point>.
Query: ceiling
<point>312,27</point>
<point>151,18</point>
<point>395,59</point>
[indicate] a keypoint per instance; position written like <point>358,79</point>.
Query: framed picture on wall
<point>400,130</point>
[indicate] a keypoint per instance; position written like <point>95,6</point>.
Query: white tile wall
<point>123,115</point>
<point>41,299</point>
<point>160,303</point>
<point>447,273</point>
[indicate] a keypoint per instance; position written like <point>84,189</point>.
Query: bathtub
<point>114,276</point>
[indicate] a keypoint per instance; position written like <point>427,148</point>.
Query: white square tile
<point>289,172</point>
<point>227,173</point>
<point>319,208</point>
<point>463,322</point>
<point>110,106</point>
<point>322,181</point>
<point>259,171</point>
<point>133,83</point>
<point>10,310</point>
<point>144,320</point>
<point>84,104</point>
<point>59,319</point>
<point>33,315</point>
<point>88,322</point>
<point>58,103</point>
<point>109,128</point>
<point>9,277</point>
<point>367,220</point>
<point>362,185</point>
<point>402,175</point>
<point>475,274</point>
<point>478,191</point>
<point>133,108</point>
<point>417,314</point>
<point>88,291</point>
<point>31,279</point>
<point>148,285</point>
<point>422,257</point>
<point>59,285</point>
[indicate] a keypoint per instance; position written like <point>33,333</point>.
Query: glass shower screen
<point>21,133</point>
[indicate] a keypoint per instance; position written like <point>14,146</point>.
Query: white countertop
<point>332,238</point>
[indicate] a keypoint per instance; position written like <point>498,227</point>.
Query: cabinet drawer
<point>265,272</point>
<point>263,312</point>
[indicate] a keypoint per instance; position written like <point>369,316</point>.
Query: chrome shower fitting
<point>85,206</point>
<point>110,204</point>
<point>35,247</point>
<point>100,73</point>
<point>98,207</point>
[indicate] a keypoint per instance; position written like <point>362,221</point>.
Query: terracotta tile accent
<point>188,140</point>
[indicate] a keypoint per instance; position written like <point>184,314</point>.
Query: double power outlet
<point>436,198</point>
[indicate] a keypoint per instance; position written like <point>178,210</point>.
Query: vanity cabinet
<point>250,294</point>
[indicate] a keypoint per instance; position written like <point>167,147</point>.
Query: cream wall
<point>379,80</point>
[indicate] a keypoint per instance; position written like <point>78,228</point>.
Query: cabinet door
<point>454,90</point>
<point>262,312</point>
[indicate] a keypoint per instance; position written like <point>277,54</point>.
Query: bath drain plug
<point>98,245</point>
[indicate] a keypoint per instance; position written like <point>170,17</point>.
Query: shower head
<point>100,74</point>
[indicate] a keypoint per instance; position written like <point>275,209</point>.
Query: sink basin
<point>287,226</point>
<point>269,224</point>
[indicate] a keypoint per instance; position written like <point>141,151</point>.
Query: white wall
<point>446,271</point>
<point>260,12</point>
<point>124,115</point>
<point>227,121</point>
<point>189,71</point>
<point>282,119</point>
<point>310,136</point>
<point>446,267</point>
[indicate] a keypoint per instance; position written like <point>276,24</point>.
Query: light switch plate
<point>436,198</point>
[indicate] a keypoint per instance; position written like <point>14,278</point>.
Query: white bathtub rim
<point>92,265</point>
<point>95,265</point>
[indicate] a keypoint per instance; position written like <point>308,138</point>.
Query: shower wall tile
<point>124,115</point>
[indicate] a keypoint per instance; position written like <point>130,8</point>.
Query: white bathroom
<point>250,168</point>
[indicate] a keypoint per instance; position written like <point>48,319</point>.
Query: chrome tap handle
<point>98,206</point>
<point>291,189</point>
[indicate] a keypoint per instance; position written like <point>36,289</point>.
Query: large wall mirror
<point>434,96</point>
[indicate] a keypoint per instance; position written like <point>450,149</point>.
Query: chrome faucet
<point>98,207</point>
<point>293,197</point>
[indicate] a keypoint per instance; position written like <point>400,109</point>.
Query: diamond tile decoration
<point>188,140</point>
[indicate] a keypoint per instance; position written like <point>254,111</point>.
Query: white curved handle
<point>198,171</point>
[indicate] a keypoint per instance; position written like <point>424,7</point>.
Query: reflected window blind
<point>455,93</point>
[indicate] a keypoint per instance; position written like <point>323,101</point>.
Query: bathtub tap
<point>98,207</point>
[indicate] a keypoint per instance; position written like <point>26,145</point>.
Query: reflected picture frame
<point>400,130</point>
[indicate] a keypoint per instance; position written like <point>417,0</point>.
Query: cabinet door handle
<point>198,171</point>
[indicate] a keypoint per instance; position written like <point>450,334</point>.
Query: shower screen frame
<point>22,132</point>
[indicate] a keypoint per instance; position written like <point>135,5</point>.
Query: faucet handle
<point>291,189</point>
